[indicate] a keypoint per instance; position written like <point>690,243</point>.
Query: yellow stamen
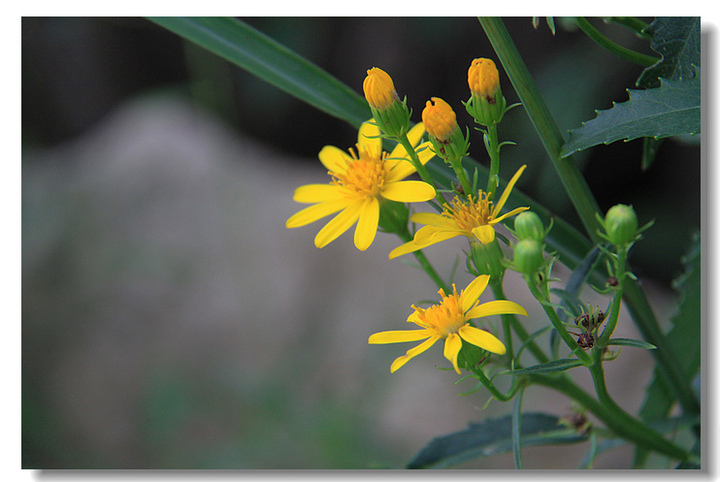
<point>365,174</point>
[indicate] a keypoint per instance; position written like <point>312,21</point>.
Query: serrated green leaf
<point>631,342</point>
<point>683,339</point>
<point>492,437</point>
<point>677,39</point>
<point>550,367</point>
<point>669,110</point>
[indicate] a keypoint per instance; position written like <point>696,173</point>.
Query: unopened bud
<point>391,115</point>
<point>621,224</point>
<point>529,225</point>
<point>527,256</point>
<point>486,104</point>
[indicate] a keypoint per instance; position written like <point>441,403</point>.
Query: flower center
<point>445,318</point>
<point>470,214</point>
<point>365,173</point>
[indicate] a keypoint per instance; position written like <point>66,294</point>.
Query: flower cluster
<point>370,188</point>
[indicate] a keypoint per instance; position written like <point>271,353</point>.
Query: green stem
<point>497,288</point>
<point>614,417</point>
<point>585,203</point>
<point>516,385</point>
<point>612,320</point>
<point>544,299</point>
<point>550,135</point>
<point>612,47</point>
<point>491,144</point>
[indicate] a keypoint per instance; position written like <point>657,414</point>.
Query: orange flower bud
<point>483,78</point>
<point>439,119</point>
<point>379,89</point>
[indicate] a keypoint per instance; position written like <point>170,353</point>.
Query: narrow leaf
<point>262,56</point>
<point>630,342</point>
<point>517,429</point>
<point>492,437</point>
<point>550,367</point>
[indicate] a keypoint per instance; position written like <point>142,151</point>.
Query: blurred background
<point>170,320</point>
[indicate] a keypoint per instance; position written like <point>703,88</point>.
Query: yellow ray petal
<point>405,248</point>
<point>432,219</point>
<point>509,214</point>
<point>482,338</point>
<point>334,159</point>
<point>473,291</point>
<point>315,212</point>
<point>398,336</point>
<point>369,137</point>
<point>412,352</point>
<point>453,343</point>
<point>497,307</point>
<point>367,224</point>
<point>317,193</point>
<point>506,192</point>
<point>339,224</point>
<point>408,191</point>
<point>485,233</point>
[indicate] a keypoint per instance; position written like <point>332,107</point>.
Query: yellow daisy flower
<point>449,321</point>
<point>361,180</point>
<point>474,218</point>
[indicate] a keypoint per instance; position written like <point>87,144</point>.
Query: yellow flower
<point>483,78</point>
<point>475,218</point>
<point>379,89</point>
<point>439,119</point>
<point>361,180</point>
<point>449,321</point>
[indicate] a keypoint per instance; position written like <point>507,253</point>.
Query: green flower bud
<point>621,224</point>
<point>528,256</point>
<point>528,225</point>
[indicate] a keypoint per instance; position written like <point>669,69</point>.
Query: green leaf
<point>550,367</point>
<point>631,342</point>
<point>677,39</point>
<point>492,437</point>
<point>257,53</point>
<point>669,110</point>
<point>683,340</point>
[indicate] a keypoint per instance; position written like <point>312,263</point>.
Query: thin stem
<point>497,288</point>
<point>614,417</point>
<point>516,385</point>
<point>491,144</point>
<point>549,132</point>
<point>612,47</point>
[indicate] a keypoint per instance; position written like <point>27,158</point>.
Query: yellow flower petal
<point>453,344</point>
<point>398,336</point>
<point>432,219</point>
<point>506,192</point>
<point>315,212</point>
<point>482,339</point>
<point>473,291</point>
<point>367,224</point>
<point>339,224</point>
<point>369,137</point>
<point>497,307</point>
<point>413,352</point>
<point>405,248</point>
<point>334,159</point>
<point>485,233</point>
<point>509,214</point>
<point>317,193</point>
<point>408,191</point>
